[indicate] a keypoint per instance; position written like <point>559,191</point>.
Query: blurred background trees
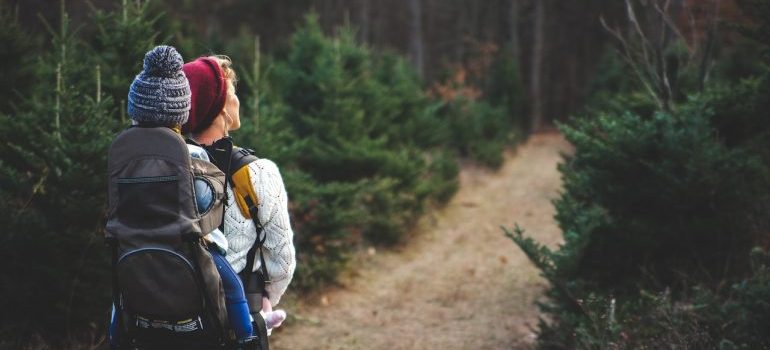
<point>555,45</point>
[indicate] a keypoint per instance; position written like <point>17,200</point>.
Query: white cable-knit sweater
<point>274,216</point>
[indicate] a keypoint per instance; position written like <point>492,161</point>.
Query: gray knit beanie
<point>160,94</point>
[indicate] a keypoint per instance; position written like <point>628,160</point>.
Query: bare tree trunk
<point>363,21</point>
<point>461,15</point>
<point>212,24</point>
<point>538,48</point>
<point>415,35</point>
<point>513,29</point>
<point>474,30</point>
<point>711,33</point>
<point>573,87</point>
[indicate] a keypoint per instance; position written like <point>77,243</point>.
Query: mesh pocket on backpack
<point>159,284</point>
<point>147,202</point>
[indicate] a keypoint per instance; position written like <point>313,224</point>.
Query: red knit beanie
<point>209,90</point>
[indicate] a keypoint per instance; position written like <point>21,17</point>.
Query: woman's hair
<point>227,69</point>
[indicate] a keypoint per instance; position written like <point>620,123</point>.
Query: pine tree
<point>53,170</point>
<point>661,215</point>
<point>359,143</point>
<point>121,40</point>
<point>15,46</point>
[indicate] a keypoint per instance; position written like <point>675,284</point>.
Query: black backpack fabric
<point>166,289</point>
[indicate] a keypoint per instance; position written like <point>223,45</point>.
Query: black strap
<point>241,157</point>
<point>255,296</point>
<point>113,243</point>
<point>208,306</point>
<point>261,333</point>
<point>228,180</point>
<point>257,246</point>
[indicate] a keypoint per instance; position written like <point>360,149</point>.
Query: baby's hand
<point>273,319</point>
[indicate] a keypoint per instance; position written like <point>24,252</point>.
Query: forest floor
<point>459,283</point>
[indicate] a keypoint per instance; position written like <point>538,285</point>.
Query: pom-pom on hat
<point>209,90</point>
<point>160,93</point>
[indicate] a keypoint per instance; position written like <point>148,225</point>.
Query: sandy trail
<point>460,284</point>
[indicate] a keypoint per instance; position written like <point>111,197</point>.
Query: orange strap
<point>242,188</point>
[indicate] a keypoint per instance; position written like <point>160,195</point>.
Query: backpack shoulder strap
<point>247,200</point>
<point>240,179</point>
<point>233,161</point>
<point>241,157</point>
<point>246,197</point>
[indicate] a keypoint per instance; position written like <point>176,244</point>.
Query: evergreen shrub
<point>649,204</point>
<point>478,130</point>
<point>15,45</point>
<point>358,141</point>
<point>53,176</point>
<point>52,197</point>
<point>659,214</point>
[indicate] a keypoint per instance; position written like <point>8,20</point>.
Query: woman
<point>214,113</point>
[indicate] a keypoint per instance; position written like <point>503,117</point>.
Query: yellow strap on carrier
<point>243,189</point>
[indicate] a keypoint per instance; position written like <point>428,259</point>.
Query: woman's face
<point>232,107</point>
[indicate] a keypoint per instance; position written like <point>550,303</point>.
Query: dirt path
<point>460,284</point>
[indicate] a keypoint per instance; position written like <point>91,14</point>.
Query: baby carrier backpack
<point>167,292</point>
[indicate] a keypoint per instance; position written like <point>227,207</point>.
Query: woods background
<point>370,108</point>
<point>557,44</point>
